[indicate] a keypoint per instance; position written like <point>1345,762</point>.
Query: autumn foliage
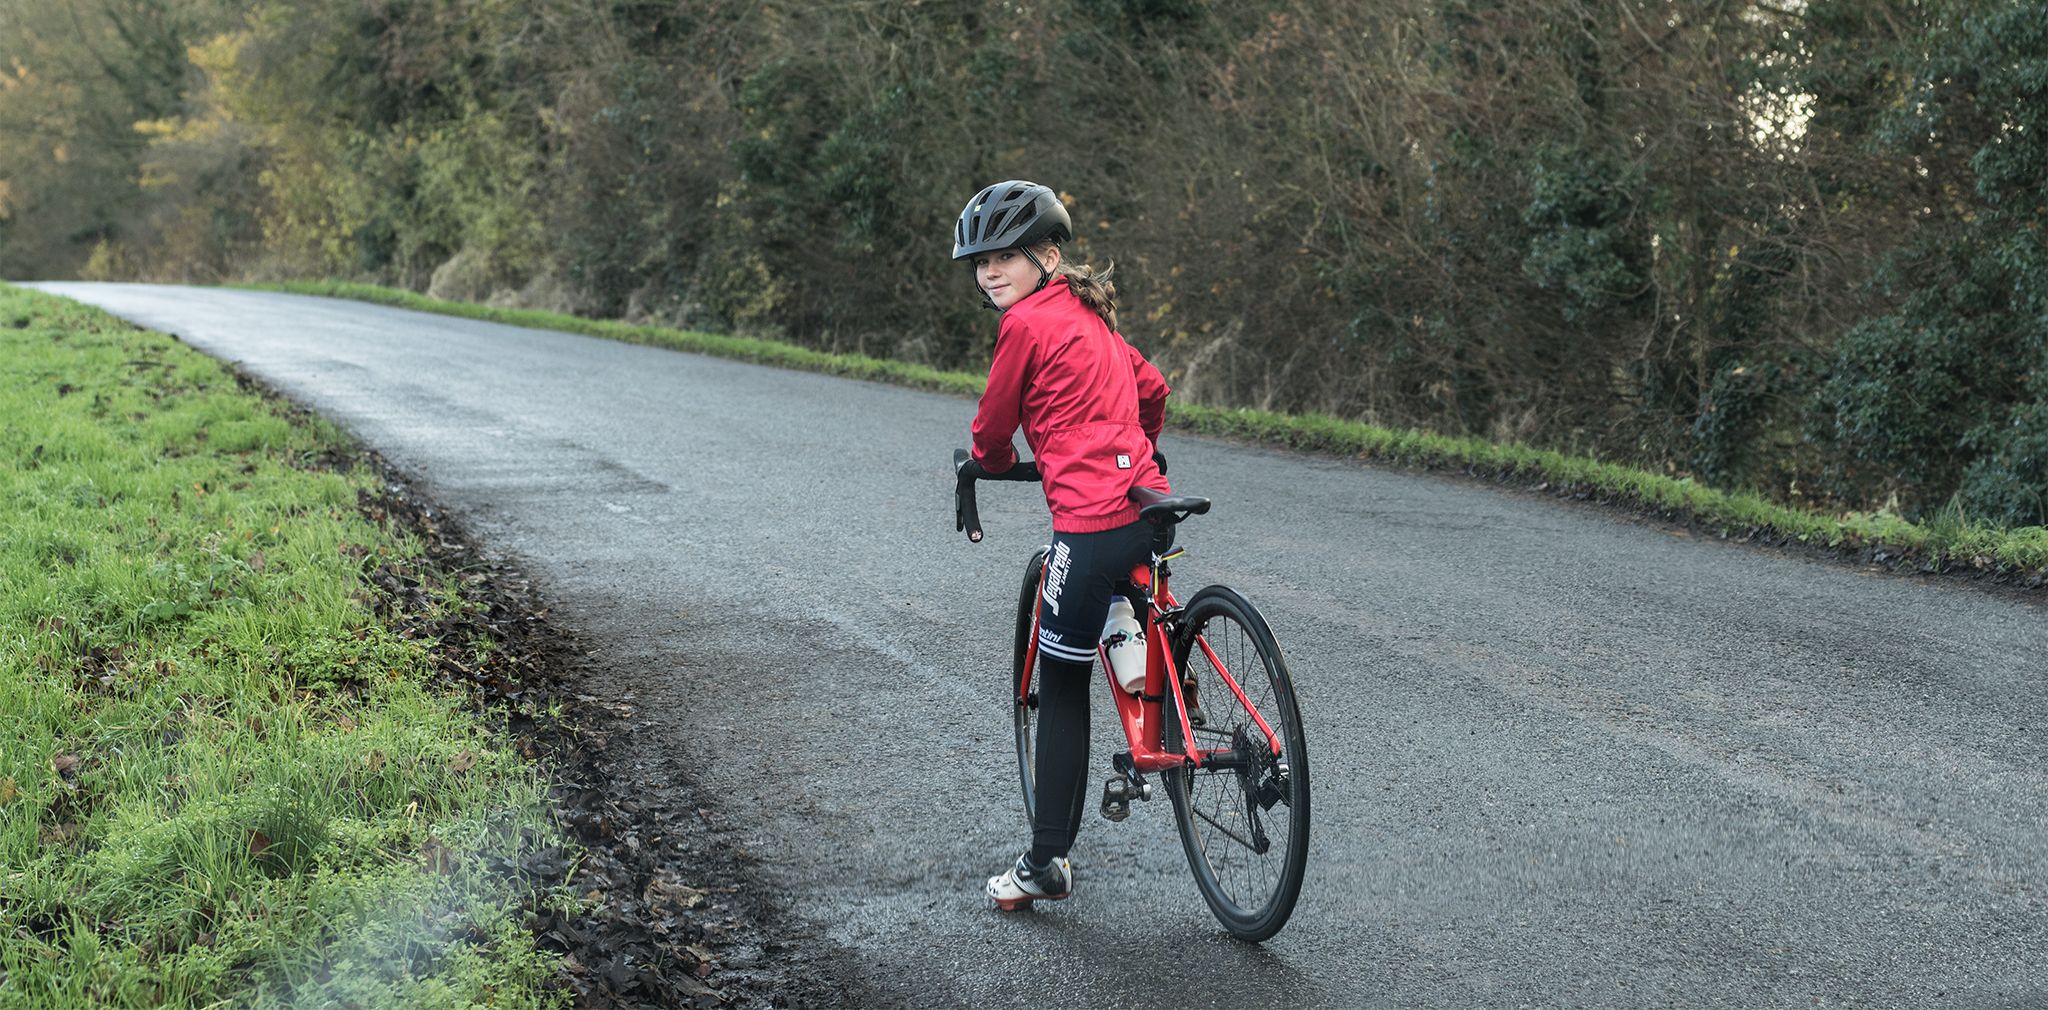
<point>1791,247</point>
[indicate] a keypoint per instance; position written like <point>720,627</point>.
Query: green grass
<point>1949,542</point>
<point>222,780</point>
<point>1952,542</point>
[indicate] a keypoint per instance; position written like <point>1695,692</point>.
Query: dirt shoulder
<point>673,916</point>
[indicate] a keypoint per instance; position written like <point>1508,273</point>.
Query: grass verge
<point>1949,543</point>
<point>226,779</point>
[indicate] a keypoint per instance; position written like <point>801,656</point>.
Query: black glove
<point>1159,458</point>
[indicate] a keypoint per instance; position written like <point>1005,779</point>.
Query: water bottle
<point>1123,645</point>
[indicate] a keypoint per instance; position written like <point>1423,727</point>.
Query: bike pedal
<point>1116,799</point>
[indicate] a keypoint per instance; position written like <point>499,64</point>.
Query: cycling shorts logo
<point>1056,575</point>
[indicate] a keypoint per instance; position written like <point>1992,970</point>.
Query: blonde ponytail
<point>1094,289</point>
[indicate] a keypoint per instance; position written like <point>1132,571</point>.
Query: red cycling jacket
<point>1091,407</point>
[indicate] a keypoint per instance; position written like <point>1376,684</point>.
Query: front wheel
<point>1243,816</point>
<point>1023,690</point>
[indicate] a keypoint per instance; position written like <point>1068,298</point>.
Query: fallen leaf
<point>257,561</point>
<point>680,895</point>
<point>696,988</point>
<point>462,762</point>
<point>7,791</point>
<point>376,760</point>
<point>65,764</point>
<point>259,843</point>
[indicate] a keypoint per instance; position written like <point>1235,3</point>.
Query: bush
<point>2008,483</point>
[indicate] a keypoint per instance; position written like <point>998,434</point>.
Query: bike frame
<point>1143,714</point>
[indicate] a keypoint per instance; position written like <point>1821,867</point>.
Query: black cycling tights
<point>1062,747</point>
<point>1082,571</point>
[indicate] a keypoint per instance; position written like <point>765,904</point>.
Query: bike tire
<point>1223,812</point>
<point>1023,688</point>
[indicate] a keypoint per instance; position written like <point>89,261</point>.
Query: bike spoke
<point>1244,877</point>
<point>1224,830</point>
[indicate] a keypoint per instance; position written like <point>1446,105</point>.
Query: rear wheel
<point>1244,815</point>
<point>1023,688</point>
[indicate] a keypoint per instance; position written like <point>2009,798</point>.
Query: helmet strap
<point>1044,275</point>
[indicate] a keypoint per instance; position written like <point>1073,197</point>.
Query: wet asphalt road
<point>1560,759</point>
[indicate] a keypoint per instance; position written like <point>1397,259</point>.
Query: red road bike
<point>1216,720</point>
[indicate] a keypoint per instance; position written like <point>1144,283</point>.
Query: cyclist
<point>1091,408</point>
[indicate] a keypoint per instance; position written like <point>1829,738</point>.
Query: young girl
<point>1091,407</point>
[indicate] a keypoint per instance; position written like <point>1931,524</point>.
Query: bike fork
<point>1118,792</point>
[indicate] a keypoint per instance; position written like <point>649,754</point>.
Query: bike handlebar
<point>966,515</point>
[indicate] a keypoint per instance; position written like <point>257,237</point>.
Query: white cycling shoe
<point>1024,883</point>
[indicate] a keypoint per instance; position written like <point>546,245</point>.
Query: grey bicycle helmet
<point>1008,215</point>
